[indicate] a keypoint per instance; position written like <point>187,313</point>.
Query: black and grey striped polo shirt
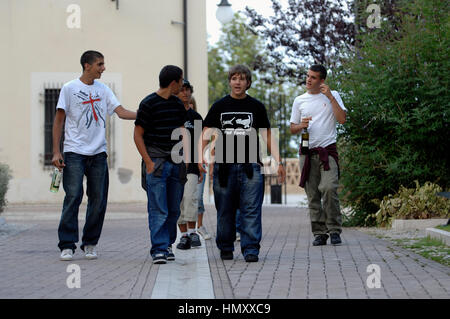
<point>159,117</point>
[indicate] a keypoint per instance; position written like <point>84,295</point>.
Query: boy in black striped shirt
<point>159,114</point>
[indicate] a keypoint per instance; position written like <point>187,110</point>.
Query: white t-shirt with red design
<point>86,108</point>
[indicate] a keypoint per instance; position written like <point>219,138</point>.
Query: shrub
<point>395,87</point>
<point>5,176</point>
<point>412,203</point>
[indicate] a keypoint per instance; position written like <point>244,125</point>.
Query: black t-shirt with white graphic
<point>191,117</point>
<point>239,119</point>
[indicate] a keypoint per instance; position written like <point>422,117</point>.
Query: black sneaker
<point>335,239</point>
<point>185,243</point>
<point>170,254</point>
<point>320,240</point>
<point>195,240</point>
<point>226,254</point>
<point>159,259</point>
<point>250,258</point>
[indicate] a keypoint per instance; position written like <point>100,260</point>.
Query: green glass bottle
<point>56,180</point>
<point>305,142</point>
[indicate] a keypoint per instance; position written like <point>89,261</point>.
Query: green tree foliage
<point>304,32</point>
<point>396,89</point>
<point>239,45</point>
<point>236,45</point>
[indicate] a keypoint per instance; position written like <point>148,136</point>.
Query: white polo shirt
<point>322,127</point>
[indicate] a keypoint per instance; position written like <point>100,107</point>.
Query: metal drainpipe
<point>185,40</point>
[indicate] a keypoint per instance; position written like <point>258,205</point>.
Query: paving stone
<point>289,267</point>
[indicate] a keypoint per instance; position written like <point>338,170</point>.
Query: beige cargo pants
<point>323,201</point>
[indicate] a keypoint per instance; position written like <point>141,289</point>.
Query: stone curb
<point>439,234</point>
<point>412,224</point>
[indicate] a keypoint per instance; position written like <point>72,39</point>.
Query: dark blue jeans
<point>164,194</point>
<point>246,195</point>
<point>95,168</point>
<point>238,222</point>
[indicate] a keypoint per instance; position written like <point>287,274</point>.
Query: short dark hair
<point>241,69</point>
<point>168,74</point>
<point>319,68</point>
<point>89,57</point>
<point>188,85</point>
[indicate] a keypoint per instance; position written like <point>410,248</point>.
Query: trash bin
<point>275,194</point>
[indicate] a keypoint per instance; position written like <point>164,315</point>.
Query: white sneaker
<point>238,236</point>
<point>66,254</point>
<point>202,231</point>
<point>90,252</point>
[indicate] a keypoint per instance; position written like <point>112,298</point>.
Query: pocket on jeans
<point>256,167</point>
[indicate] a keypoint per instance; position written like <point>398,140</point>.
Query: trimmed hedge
<point>5,176</point>
<point>395,87</point>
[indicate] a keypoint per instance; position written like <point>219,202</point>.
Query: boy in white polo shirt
<point>318,110</point>
<point>83,106</point>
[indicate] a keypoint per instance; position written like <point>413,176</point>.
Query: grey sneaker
<point>202,231</point>
<point>195,240</point>
<point>238,236</point>
<point>89,252</point>
<point>66,255</point>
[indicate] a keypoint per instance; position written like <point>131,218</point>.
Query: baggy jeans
<point>164,195</point>
<point>245,194</point>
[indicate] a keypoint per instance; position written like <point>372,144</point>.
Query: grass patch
<point>414,241</point>
<point>426,242</point>
<point>429,248</point>
<point>446,227</point>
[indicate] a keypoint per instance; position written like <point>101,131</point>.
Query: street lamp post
<point>224,12</point>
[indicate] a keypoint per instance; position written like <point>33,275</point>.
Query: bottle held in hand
<point>304,149</point>
<point>56,180</point>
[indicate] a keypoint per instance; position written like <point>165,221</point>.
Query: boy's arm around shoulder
<point>125,114</point>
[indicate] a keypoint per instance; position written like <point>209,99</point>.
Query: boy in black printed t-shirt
<point>238,182</point>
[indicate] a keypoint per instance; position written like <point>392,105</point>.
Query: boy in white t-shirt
<point>83,106</point>
<point>318,110</point>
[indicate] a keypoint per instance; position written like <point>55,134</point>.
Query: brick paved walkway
<point>289,266</point>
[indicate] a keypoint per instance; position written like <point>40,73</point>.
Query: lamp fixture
<point>224,12</point>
